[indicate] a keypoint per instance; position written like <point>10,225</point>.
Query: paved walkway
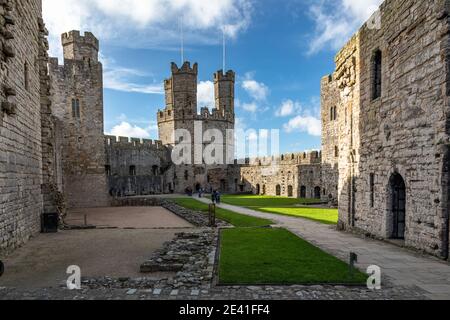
<point>400,266</point>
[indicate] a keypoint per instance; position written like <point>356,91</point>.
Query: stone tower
<point>181,112</point>
<point>181,102</point>
<point>78,104</point>
<point>224,91</point>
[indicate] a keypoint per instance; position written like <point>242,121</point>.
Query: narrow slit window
<point>132,171</point>
<point>372,190</point>
<point>377,69</point>
<point>26,77</point>
<point>76,114</point>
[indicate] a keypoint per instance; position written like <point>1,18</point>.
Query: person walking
<point>213,196</point>
<point>218,199</point>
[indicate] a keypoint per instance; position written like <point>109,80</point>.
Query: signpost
<point>212,215</point>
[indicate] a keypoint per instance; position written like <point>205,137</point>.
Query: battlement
<point>80,48</point>
<point>133,142</point>
<point>205,115</point>
<point>327,79</point>
<point>229,76</point>
<point>185,69</point>
<point>75,37</point>
<point>303,158</point>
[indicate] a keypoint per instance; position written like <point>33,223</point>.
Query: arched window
<point>26,77</point>
<point>377,68</point>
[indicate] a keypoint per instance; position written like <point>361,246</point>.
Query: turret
<point>78,47</point>
<point>224,91</point>
<point>181,89</point>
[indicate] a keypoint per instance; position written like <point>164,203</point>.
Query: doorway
<point>398,206</point>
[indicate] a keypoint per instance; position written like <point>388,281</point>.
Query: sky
<point>279,49</point>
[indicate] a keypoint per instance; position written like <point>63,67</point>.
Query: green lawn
<point>276,256</point>
<point>284,206</point>
<point>236,219</point>
<point>265,201</point>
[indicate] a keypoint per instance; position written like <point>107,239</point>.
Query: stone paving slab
<point>399,266</point>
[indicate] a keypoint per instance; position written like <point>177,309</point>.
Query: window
<point>132,171</point>
<point>333,113</point>
<point>76,109</point>
<point>186,175</point>
<point>26,77</point>
<point>372,190</point>
<point>336,151</point>
<point>377,74</point>
<point>108,170</point>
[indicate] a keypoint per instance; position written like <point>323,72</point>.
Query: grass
<point>236,219</point>
<point>285,206</point>
<point>276,256</point>
<point>265,201</point>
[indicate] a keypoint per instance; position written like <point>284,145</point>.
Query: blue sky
<point>279,49</point>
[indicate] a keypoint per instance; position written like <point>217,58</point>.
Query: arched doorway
<point>398,206</point>
<point>258,189</point>
<point>290,191</point>
<point>278,191</point>
<point>317,193</point>
<point>303,192</point>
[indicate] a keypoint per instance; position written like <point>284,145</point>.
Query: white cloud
<point>256,90</point>
<point>146,23</point>
<point>125,129</point>
<point>205,94</point>
<point>250,107</point>
<point>308,124</point>
<point>288,108</point>
<point>336,21</point>
<point>124,79</point>
<point>118,79</point>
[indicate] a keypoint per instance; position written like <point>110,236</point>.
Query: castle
<point>385,146</point>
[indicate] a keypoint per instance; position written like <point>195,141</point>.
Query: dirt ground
<point>118,252</point>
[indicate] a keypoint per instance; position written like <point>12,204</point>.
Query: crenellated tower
<point>78,104</point>
<point>81,48</point>
<point>224,91</point>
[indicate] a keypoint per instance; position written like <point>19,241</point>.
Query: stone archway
<point>397,208</point>
<point>317,193</point>
<point>278,190</point>
<point>303,192</point>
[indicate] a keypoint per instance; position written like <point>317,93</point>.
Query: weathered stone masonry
<point>22,62</point>
<point>77,88</point>
<point>392,125</point>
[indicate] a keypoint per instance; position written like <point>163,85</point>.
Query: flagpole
<point>224,49</point>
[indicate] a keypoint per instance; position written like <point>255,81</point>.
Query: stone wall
<point>136,167</point>
<point>21,61</point>
<point>290,175</point>
<point>331,113</point>
<point>403,132</point>
<point>77,88</point>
